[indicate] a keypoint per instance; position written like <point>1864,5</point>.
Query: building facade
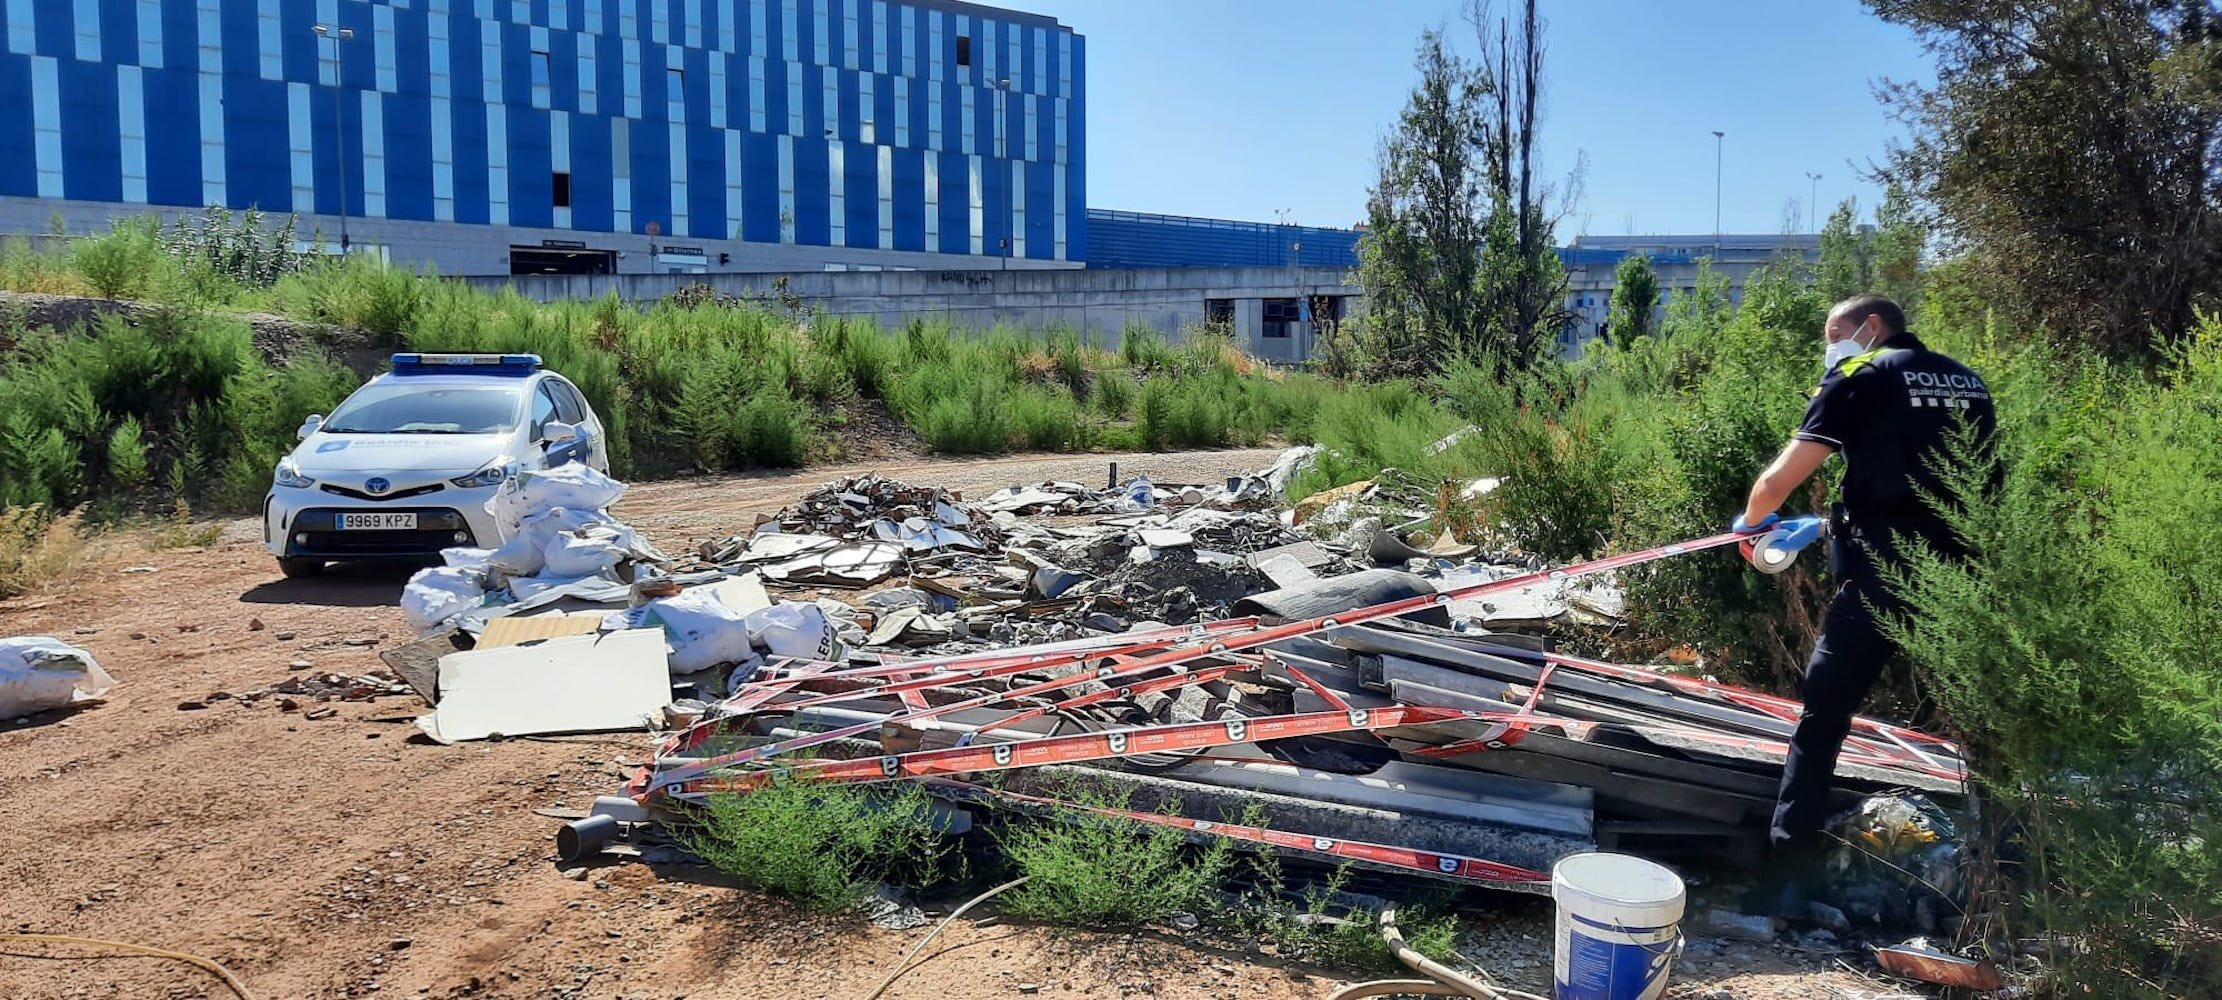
<point>1592,260</point>
<point>563,136</point>
<point>1147,239</point>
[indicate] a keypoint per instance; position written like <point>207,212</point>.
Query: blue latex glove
<point>1799,532</point>
<point>1783,542</point>
<point>1738,526</point>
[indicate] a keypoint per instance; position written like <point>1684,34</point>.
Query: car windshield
<point>402,408</point>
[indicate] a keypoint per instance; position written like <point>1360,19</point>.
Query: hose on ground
<point>900,966</point>
<point>1442,981</point>
<point>195,960</point>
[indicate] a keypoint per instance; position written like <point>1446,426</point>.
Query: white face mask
<point>1837,351</point>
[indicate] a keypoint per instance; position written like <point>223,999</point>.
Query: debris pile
<point>1355,670</point>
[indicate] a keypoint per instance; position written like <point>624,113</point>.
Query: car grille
<point>413,491</point>
<point>378,543</point>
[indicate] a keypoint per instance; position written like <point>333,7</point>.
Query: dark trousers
<point>1845,663</point>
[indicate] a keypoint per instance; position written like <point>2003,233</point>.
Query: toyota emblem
<point>377,484</point>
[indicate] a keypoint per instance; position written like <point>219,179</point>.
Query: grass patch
<point>42,550</point>
<point>822,843</point>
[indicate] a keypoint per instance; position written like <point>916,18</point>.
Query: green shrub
<point>127,455</point>
<point>1142,347</point>
<point>119,264</point>
<point>822,843</point>
<point>1113,393</point>
<point>1090,869</point>
<point>1046,420</point>
<point>2075,656</point>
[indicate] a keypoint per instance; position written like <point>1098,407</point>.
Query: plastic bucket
<point>1618,930</point>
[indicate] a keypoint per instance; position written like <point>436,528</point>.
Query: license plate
<point>378,522</point>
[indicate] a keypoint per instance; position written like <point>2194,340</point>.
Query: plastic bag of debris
<point>595,548</point>
<point>700,630</point>
<point>525,553</point>
<point>571,485</point>
<point>433,596</point>
<point>794,629</point>
<point>39,673</point>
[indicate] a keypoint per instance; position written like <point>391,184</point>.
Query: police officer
<point>1889,405</point>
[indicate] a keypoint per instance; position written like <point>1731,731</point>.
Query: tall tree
<point>1419,260</point>
<point>1635,297</point>
<point>1524,281</point>
<point>1847,264</point>
<point>2075,147</point>
<point>1900,240</point>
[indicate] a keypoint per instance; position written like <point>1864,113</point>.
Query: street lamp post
<point>1717,138</point>
<point>339,132</point>
<point>1812,202</point>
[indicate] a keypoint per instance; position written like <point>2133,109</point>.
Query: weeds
<point>40,550</point>
<point>1090,869</point>
<point>822,843</point>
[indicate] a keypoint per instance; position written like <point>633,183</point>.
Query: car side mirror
<point>309,426</point>
<point>556,432</point>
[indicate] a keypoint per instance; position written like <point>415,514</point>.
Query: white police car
<point>404,467</point>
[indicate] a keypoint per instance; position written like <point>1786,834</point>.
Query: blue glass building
<point>484,136</point>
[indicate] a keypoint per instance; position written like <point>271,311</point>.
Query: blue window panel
<point>813,220</point>
<point>1076,145</point>
<point>466,69</point>
<point>92,146</point>
<point>409,156</point>
<point>531,187</point>
<point>516,54</point>
<point>256,132</point>
<point>706,180</point>
<point>473,202</point>
<point>850,114</point>
<point>412,59</point>
<point>862,196</point>
<point>302,52</point>
<point>651,174</point>
<point>609,71</point>
<point>592,203</point>
<point>181,41</point>
<point>18,170</point>
<point>563,71</point>
<point>956,203</point>
<point>909,186</point>
<point>54,32</point>
<point>119,34</point>
<point>538,12</point>
<point>173,102</point>
<point>882,111</point>
<point>760,196</point>
<point>697,63</point>
<point>1041,208</point>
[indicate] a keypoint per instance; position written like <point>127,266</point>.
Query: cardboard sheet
<point>573,684</point>
<point>513,629</point>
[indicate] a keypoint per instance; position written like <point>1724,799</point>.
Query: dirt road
<point>344,856</point>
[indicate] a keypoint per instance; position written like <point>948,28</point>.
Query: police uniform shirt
<point>1890,412</point>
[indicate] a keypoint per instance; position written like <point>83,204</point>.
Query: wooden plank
<point>510,630</point>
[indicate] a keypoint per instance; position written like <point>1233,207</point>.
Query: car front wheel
<point>296,568</point>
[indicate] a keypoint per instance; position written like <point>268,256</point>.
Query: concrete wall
<point>1102,301</point>
<point>455,248</point>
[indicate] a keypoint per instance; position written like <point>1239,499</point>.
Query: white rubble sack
<point>435,595</point>
<point>39,673</point>
<point>701,630</point>
<point>795,629</point>
<point>571,485</point>
<point>524,552</point>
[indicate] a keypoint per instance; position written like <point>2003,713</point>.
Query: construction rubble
<point>1373,688</point>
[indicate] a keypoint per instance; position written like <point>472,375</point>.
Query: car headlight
<point>492,475</point>
<point>289,475</point>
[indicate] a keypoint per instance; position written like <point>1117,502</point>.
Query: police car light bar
<point>418,363</point>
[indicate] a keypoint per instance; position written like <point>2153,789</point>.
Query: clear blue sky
<point>1236,108</point>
